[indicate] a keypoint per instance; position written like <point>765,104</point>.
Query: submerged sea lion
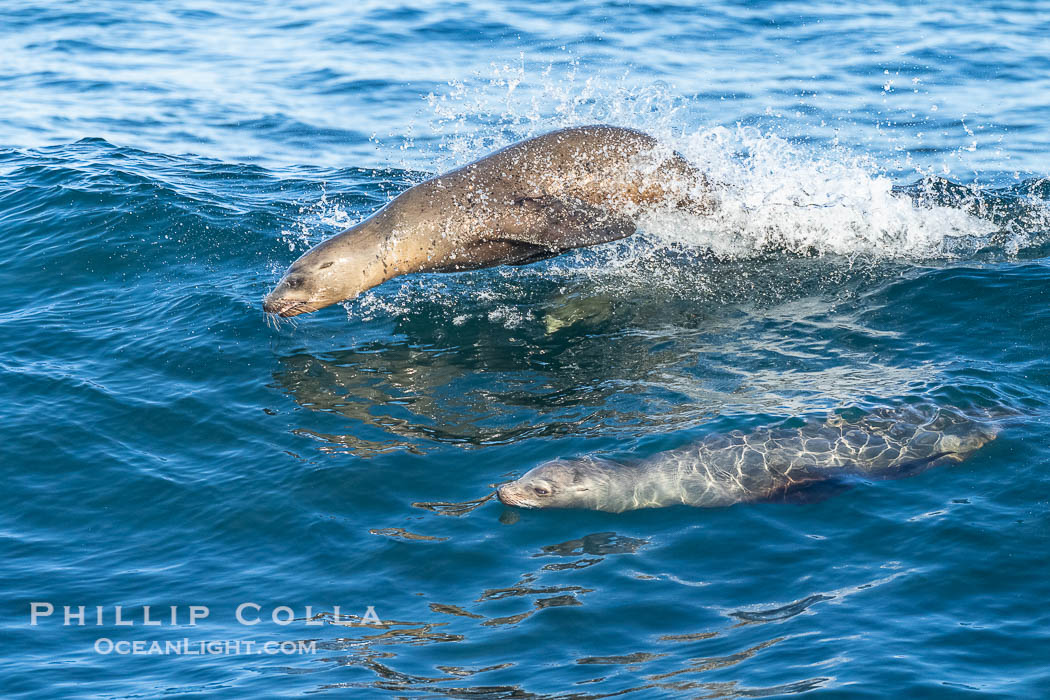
<point>769,464</point>
<point>530,201</point>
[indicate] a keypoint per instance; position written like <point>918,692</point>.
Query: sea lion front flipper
<point>492,252</point>
<point>813,491</point>
<point>536,229</point>
<point>562,223</point>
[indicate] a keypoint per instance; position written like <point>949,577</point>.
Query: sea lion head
<point>332,271</point>
<point>578,483</point>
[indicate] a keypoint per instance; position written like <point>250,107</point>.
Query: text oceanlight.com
<point>215,647</point>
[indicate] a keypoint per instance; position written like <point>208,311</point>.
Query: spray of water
<point>776,195</point>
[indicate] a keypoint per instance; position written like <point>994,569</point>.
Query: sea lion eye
<point>540,491</point>
<point>294,282</point>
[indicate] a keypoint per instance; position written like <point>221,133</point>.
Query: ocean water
<point>884,240</point>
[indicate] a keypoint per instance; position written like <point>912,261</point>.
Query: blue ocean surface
<point>884,241</point>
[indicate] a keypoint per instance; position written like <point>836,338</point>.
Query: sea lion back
<point>766,463</point>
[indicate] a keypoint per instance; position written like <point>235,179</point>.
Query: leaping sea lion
<point>769,464</point>
<point>530,201</point>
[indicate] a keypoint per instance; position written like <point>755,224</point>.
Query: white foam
<point>778,196</point>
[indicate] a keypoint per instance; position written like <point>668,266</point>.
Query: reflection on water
<point>781,613</point>
<point>455,509</point>
<point>631,659</point>
<point>724,339</point>
<point>600,544</point>
<point>403,534</point>
<point>717,662</point>
<point>454,610</point>
<point>667,662</point>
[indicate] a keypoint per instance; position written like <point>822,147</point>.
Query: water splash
<point>314,218</point>
<point>777,194</point>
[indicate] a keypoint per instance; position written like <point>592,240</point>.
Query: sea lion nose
<point>506,497</point>
<point>277,303</point>
<point>271,305</point>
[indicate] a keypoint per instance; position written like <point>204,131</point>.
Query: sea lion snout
<point>284,308</point>
<point>508,495</point>
<point>281,303</point>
